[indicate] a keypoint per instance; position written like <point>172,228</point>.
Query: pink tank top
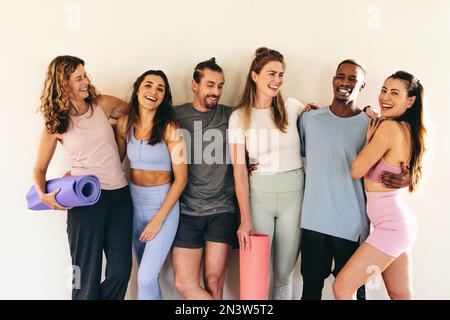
<point>381,166</point>
<point>92,148</point>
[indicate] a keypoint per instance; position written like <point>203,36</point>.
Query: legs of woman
<point>85,229</point>
<point>397,278</point>
<point>151,255</point>
<point>117,245</point>
<point>263,207</point>
<point>343,250</point>
<point>92,229</point>
<point>366,262</point>
<point>286,242</point>
<point>263,210</point>
<point>275,202</point>
<point>154,255</point>
<point>385,250</point>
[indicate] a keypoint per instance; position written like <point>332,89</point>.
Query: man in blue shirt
<point>334,219</point>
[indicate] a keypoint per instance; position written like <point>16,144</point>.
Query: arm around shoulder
<point>293,103</point>
<point>113,107</point>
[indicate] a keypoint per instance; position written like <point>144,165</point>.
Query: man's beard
<point>211,105</point>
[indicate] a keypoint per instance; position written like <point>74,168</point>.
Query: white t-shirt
<point>274,150</point>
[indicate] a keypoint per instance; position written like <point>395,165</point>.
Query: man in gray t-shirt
<point>208,219</point>
<point>210,188</point>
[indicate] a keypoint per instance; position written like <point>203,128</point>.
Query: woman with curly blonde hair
<point>78,117</point>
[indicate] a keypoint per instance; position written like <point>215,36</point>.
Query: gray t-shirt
<point>210,188</point>
<point>333,203</point>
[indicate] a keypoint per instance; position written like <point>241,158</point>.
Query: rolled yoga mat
<point>76,191</point>
<point>254,269</point>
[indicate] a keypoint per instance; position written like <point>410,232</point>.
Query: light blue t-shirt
<point>334,203</point>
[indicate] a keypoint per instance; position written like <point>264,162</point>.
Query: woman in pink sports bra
<point>390,143</point>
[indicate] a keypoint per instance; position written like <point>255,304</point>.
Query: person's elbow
<point>181,180</point>
<point>240,172</point>
<point>119,111</point>
<point>356,171</point>
<point>39,171</point>
<point>184,181</point>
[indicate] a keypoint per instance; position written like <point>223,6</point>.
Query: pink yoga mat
<point>254,268</point>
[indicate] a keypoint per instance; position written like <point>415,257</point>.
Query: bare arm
<point>378,142</point>
<point>121,138</point>
<point>112,107</point>
<point>47,147</point>
<point>240,173</point>
<point>177,149</point>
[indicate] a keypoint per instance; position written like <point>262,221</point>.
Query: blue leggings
<point>151,255</point>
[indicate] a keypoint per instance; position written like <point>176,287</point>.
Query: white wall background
<point>119,40</point>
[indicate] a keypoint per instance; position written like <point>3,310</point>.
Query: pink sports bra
<point>381,166</point>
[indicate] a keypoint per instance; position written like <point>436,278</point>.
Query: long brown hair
<point>163,115</point>
<point>262,57</point>
<point>55,102</point>
<point>414,117</point>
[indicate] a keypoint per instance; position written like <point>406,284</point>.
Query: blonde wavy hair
<point>55,102</point>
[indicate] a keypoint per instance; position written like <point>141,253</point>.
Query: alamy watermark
<point>373,21</point>
<point>74,278</point>
<point>375,280</point>
<point>212,146</point>
<point>73,21</point>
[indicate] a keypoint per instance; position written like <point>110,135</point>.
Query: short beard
<point>210,106</point>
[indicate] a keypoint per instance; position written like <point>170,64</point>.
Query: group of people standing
<point>291,171</point>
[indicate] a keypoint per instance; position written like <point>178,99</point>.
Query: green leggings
<point>275,203</point>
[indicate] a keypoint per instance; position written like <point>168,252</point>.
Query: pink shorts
<point>394,224</point>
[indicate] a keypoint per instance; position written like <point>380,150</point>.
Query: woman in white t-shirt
<point>265,126</point>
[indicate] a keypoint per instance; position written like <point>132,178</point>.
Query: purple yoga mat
<point>76,191</point>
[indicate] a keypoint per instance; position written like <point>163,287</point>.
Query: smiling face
<point>270,79</point>
<point>393,98</point>
<point>151,92</point>
<point>78,84</point>
<point>209,89</point>
<point>348,82</point>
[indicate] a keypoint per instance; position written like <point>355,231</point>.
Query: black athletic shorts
<point>194,231</point>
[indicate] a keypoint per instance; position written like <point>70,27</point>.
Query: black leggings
<point>105,226</point>
<point>317,253</point>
